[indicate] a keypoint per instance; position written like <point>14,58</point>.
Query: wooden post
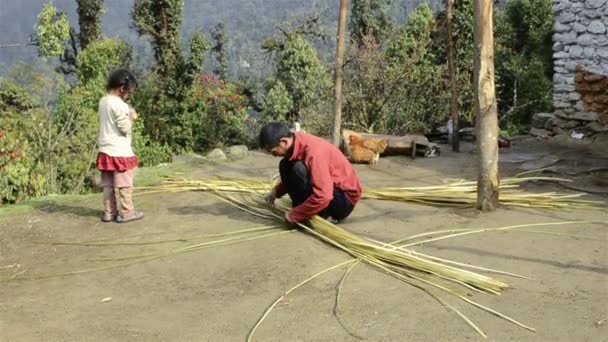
<point>453,79</point>
<point>339,73</point>
<point>485,106</point>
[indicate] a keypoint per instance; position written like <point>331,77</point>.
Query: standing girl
<point>116,159</point>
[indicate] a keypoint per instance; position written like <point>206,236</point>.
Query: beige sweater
<point>114,127</point>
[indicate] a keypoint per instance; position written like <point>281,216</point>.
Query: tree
<point>396,88</point>
<point>370,17</point>
<point>89,20</point>
<point>339,73</point>
<point>485,104</point>
<point>56,38</point>
<point>161,20</point>
<point>52,30</point>
<point>299,69</point>
<point>453,78</point>
<point>218,35</point>
<point>100,58</point>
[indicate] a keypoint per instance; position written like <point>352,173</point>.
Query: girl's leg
<point>124,182</point>
<point>109,196</point>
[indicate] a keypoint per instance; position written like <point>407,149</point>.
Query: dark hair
<point>272,133</point>
<point>121,78</point>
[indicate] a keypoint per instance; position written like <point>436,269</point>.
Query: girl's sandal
<point>137,215</point>
<point>108,217</point>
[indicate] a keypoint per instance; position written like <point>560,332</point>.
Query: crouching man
<point>314,173</point>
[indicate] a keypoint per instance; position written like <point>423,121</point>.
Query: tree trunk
<point>453,79</point>
<point>339,73</point>
<point>485,107</point>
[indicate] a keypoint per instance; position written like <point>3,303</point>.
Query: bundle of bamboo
<point>422,271</point>
<point>458,193</point>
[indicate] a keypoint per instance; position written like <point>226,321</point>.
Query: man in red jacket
<point>314,173</point>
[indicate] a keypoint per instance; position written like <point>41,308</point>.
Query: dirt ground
<point>218,294</point>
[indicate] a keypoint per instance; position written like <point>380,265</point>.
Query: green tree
<point>218,34</point>
<point>396,88</point>
<point>101,57</point>
<point>370,17</point>
<point>524,64</point>
<point>299,69</point>
<point>161,20</point>
<point>56,38</point>
<point>53,31</point>
<point>89,20</point>
<point>277,103</point>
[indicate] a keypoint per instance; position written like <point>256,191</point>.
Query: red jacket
<point>328,169</point>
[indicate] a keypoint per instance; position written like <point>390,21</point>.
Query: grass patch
<point>78,204</point>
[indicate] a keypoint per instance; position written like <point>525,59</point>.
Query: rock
<point>559,70</point>
<point>558,131</point>
<point>588,52</point>
<point>558,47</point>
<point>560,62</point>
<point>561,55</point>
<point>549,124</point>
<point>561,5</point>
<point>565,38</point>
<point>566,88</point>
<point>575,51</point>
<point>573,96</point>
<point>593,77</point>
<point>579,28</point>
<point>237,151</point>
<point>596,27</point>
<point>571,65</point>
<point>217,154</point>
<point>559,79</point>
<point>540,133</point>
<point>601,40</point>
<point>585,39</point>
<point>594,3</point>
<point>579,105</point>
<point>559,27</point>
<point>540,119</point>
<point>569,110</point>
<point>561,114</point>
<point>585,116</point>
<point>601,53</point>
<point>560,104</point>
<point>596,127</point>
<point>570,80</point>
<point>588,13</point>
<point>603,99</point>
<point>565,17</point>
<point>563,122</point>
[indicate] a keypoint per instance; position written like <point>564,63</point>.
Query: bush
<point>226,112</point>
<point>19,177</point>
<point>149,152</point>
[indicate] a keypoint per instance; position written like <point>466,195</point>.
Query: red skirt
<point>120,164</point>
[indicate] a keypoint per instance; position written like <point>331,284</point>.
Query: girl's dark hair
<point>121,78</point>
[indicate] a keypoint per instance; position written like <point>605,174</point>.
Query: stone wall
<point>580,80</point>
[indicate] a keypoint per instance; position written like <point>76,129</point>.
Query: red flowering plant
<point>225,111</point>
<point>9,153</point>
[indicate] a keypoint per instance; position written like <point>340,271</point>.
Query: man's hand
<point>270,198</point>
<point>288,219</point>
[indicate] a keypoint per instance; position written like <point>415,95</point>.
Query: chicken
<point>366,150</point>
